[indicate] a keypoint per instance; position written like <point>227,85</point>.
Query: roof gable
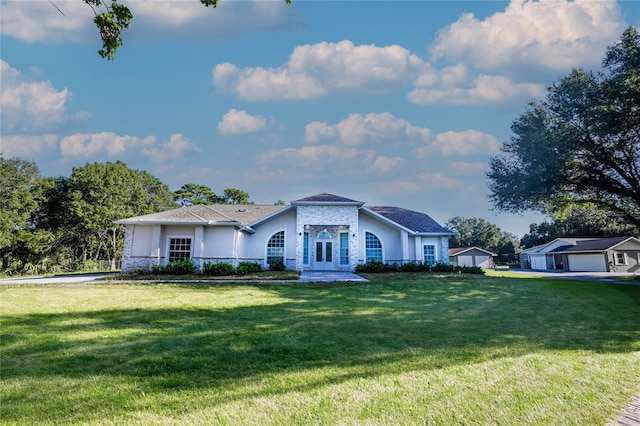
<point>326,198</point>
<point>460,250</point>
<point>417,222</point>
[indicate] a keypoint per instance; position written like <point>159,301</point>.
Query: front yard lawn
<point>451,349</point>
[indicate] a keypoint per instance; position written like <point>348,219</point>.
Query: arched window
<point>373,247</point>
<point>275,248</point>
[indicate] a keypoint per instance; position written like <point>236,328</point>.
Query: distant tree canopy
<point>579,221</point>
<point>192,193</point>
<point>113,18</point>
<point>580,146</point>
<point>476,232</point>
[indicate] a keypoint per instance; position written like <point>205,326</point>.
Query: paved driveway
<point>57,279</point>
<point>584,276</point>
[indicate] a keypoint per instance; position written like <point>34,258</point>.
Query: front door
<point>324,255</point>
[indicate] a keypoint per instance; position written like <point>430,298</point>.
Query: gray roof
<point>459,250</point>
<point>215,214</point>
<point>595,244</point>
<point>326,198</point>
<point>412,220</point>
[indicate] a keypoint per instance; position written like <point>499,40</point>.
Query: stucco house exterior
<point>617,254</point>
<point>321,232</point>
<point>472,256</point>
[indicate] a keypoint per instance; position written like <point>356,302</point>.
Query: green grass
<point>449,349</point>
<point>257,276</point>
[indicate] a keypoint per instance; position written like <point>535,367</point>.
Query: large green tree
<point>98,194</point>
<point>477,232</point>
<point>111,18</point>
<point>20,196</point>
<point>579,146</point>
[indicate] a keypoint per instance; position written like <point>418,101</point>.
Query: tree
<point>192,193</point>
<point>580,146</point>
<point>112,19</point>
<point>480,233</point>
<point>98,194</point>
<point>235,196</point>
<point>579,221</point>
<point>19,198</point>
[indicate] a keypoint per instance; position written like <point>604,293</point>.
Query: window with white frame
<point>373,247</point>
<point>429,254</point>
<point>275,248</point>
<point>621,258</point>
<point>344,248</point>
<point>179,249</point>
<point>305,249</point>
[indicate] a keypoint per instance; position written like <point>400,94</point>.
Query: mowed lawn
<point>447,349</point>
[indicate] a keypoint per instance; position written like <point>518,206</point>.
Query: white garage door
<point>538,262</point>
<point>465,260</point>
<point>587,263</point>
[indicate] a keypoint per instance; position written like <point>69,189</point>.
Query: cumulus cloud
<point>484,89</point>
<point>466,143</point>
<point>32,106</point>
<point>373,127</point>
<point>316,70</point>
<point>383,165</point>
<point>548,34</point>
<point>113,145</point>
<point>27,145</point>
<point>419,184</point>
<point>177,146</point>
<point>237,122</point>
<point>323,157</point>
<point>40,21</point>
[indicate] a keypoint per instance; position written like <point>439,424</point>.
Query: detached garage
<point>617,254</point>
<point>471,256</point>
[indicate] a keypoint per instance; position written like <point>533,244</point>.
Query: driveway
<point>604,277</point>
<point>56,279</point>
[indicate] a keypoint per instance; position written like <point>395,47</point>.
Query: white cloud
<point>27,145</point>
<point>113,145</point>
<point>237,122</point>
<point>316,70</point>
<point>175,147</point>
<point>484,89</point>
<point>40,21</point>
<point>383,165</point>
<point>32,106</point>
<point>466,143</point>
<point>91,144</point>
<point>373,127</point>
<point>436,180</point>
<point>465,168</point>
<point>548,34</point>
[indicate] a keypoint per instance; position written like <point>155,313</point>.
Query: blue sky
<point>392,103</point>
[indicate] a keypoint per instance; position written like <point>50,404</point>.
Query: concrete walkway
<point>630,416</point>
<point>330,276</point>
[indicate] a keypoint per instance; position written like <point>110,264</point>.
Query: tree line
<point>55,224</point>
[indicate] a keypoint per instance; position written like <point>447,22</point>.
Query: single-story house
<point>321,232</point>
<point>471,256</point>
<point>617,254</point>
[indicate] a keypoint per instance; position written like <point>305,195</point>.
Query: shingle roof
<point>245,214</point>
<point>415,221</point>
<point>596,244</point>
<point>460,250</point>
<point>326,198</point>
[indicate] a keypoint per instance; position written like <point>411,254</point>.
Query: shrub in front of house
<point>219,269</point>
<point>180,267</point>
<point>278,265</point>
<point>377,267</point>
<point>246,268</point>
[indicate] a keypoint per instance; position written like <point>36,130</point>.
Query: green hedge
<point>375,266</point>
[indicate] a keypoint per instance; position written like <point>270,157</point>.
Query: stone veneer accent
<point>320,217</point>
